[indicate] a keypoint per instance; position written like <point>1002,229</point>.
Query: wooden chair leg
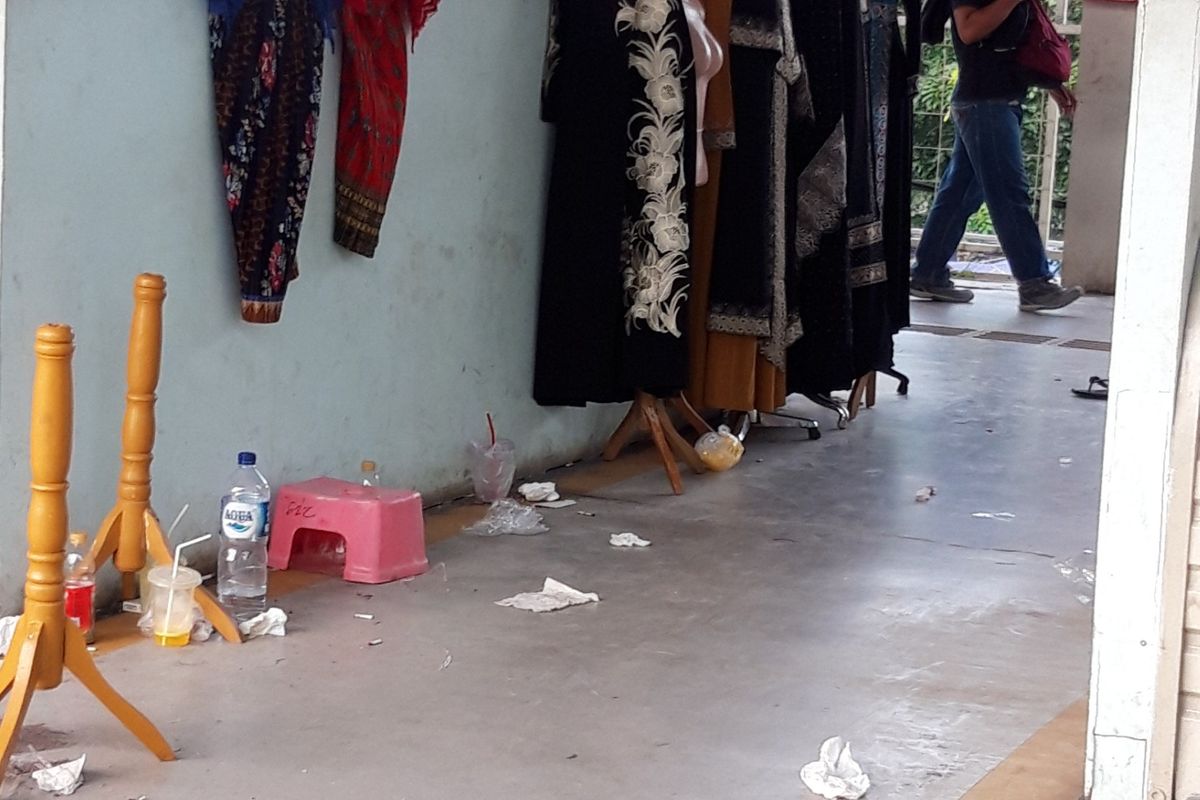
<point>79,662</point>
<point>624,432</point>
<point>690,415</point>
<point>872,380</point>
<point>24,655</point>
<point>215,613</point>
<point>856,396</point>
<point>107,538</point>
<point>8,670</point>
<point>683,449</point>
<point>654,424</point>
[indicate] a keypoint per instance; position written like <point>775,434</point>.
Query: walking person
<point>986,165</point>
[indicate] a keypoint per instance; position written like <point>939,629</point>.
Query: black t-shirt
<point>988,70</point>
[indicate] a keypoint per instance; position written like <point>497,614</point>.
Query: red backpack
<point>1045,53</point>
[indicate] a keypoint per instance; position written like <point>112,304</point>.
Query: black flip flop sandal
<point>1097,389</point>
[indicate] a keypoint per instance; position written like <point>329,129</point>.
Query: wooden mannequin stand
<point>864,390</point>
<point>649,413</point>
<point>45,641</point>
<point>131,529</point>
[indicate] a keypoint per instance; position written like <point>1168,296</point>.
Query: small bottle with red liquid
<point>80,581</point>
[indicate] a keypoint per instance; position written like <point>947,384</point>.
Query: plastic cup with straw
<point>172,607</point>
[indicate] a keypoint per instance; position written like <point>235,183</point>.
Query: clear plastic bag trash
<point>1080,570</point>
<point>492,469</point>
<point>720,450</point>
<point>509,517</point>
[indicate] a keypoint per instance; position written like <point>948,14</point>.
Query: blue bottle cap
<point>247,459</point>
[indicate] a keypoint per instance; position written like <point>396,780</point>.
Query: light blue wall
<point>111,168</point>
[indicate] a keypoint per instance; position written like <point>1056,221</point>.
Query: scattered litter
<point>627,539</point>
<point>1080,570</point>
<point>446,662</point>
<point>556,504</point>
<point>375,643</point>
<point>720,450</point>
<point>1066,462</point>
<point>61,779</point>
<point>509,517</point>
<point>586,513</point>
<point>1002,516</point>
<point>493,465</point>
<point>202,629</point>
<point>926,493</point>
<point>836,776</point>
<point>364,616</point>
<point>539,492</point>
<point>553,596</point>
<point>131,606</point>
<point>8,626</point>
<point>271,622</point>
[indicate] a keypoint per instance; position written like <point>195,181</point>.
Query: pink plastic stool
<point>383,530</point>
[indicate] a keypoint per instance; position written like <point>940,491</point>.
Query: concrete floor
<point>803,595</point>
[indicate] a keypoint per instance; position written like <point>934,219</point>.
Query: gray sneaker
<point>943,293</point>
<point>1044,295</point>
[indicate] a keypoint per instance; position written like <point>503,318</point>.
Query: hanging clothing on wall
<point>373,102</point>
<point>616,266</point>
<point>267,61</point>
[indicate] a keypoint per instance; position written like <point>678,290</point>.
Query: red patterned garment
<point>374,98</point>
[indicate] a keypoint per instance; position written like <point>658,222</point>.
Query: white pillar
<point>1134,697</point>
<point>1098,146</point>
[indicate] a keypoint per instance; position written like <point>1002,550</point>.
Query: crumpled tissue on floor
<point>553,596</point>
<point>538,492</point>
<point>627,539</point>
<point>272,622</point>
<point>836,776</point>
<point>8,627</point>
<point>61,779</point>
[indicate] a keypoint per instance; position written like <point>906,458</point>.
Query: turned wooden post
<point>49,461</point>
<point>44,640</point>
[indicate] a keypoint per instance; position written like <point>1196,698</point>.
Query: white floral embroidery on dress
<point>655,273</point>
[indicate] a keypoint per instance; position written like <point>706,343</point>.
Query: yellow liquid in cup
<point>172,639</point>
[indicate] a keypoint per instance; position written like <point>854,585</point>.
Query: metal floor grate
<point>1088,344</point>
<point>940,330</point>
<point>1011,336</point>
<point>1014,337</point>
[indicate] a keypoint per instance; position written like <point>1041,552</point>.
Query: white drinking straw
<point>175,566</point>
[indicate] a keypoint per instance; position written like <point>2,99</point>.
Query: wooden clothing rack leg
<point>865,386</point>
<point>131,530</point>
<point>45,642</point>
<point>649,413</point>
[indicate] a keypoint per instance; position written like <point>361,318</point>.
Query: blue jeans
<point>986,166</point>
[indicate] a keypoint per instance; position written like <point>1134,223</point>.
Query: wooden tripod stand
<point>45,641</point>
<point>649,413</point>
<point>131,529</point>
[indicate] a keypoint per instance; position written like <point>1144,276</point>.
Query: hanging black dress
<point>616,264</point>
<point>881,129</point>
<point>822,360</point>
